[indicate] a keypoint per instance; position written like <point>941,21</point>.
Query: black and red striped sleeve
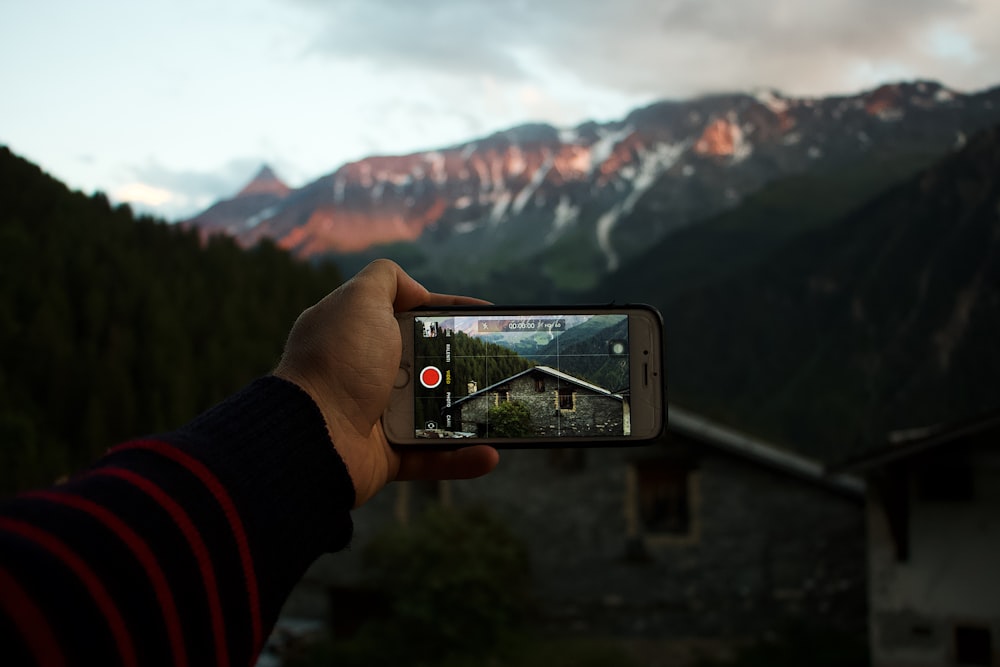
<point>178,549</point>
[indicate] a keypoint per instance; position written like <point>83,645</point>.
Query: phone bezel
<point>648,404</point>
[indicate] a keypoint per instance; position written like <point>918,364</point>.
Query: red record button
<point>431,377</point>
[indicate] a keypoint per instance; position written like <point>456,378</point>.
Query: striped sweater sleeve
<point>178,549</point>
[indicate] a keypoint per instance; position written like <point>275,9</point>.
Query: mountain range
<point>536,213</point>
<point>827,268</point>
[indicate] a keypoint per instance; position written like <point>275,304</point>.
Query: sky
<point>172,104</point>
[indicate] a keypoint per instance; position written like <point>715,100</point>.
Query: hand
<point>345,352</point>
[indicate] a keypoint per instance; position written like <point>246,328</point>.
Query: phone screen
<point>521,376</point>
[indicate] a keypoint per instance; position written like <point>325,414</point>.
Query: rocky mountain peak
<point>265,182</point>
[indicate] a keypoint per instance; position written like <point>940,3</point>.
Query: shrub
<point>510,419</point>
<point>457,581</point>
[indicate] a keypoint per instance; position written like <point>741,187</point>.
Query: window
<point>566,397</point>
<point>539,384</point>
<point>973,645</point>
<point>946,480</point>
<point>663,500</point>
<point>503,394</point>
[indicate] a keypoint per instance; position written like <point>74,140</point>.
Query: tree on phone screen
<point>510,419</point>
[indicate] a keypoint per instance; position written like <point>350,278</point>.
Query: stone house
<point>933,514</point>
<point>559,404</point>
<point>706,533</point>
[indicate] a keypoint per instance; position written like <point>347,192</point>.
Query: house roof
<point>547,370</point>
<point>723,438</point>
<point>740,444</point>
<point>907,443</point>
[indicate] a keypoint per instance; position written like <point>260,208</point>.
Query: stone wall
<point>762,549</point>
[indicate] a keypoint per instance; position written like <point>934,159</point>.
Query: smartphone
<point>528,377</point>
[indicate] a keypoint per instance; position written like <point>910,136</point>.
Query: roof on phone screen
<point>547,370</point>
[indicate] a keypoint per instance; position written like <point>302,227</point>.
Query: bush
<point>458,582</point>
<point>510,419</point>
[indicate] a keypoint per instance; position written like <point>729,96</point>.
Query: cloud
<point>143,194</point>
<point>446,36</point>
<point>175,194</point>
<point>671,47</point>
<point>228,178</point>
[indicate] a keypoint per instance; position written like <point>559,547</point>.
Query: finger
<point>435,299</point>
<point>464,463</point>
<point>398,287</point>
<point>409,293</point>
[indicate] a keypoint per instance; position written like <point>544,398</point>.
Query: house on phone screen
<point>933,507</point>
<point>556,404</point>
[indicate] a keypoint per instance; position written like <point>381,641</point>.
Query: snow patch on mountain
<point>536,180</point>
<point>943,95</point>
<point>400,180</point>
<point>602,148</point>
<point>652,164</point>
<point>565,214</point>
<point>437,167</point>
<point>339,183</point>
<point>500,207</point>
<point>569,135</point>
<point>605,224</point>
<point>260,217</point>
<point>742,147</point>
<point>773,101</point>
<point>483,172</point>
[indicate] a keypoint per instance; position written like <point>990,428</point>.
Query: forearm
<point>180,548</point>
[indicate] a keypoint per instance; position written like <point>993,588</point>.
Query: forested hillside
<point>887,318</point>
<point>582,351</point>
<point>114,326</point>
<point>483,363</point>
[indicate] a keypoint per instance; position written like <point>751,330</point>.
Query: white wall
<point>952,575</point>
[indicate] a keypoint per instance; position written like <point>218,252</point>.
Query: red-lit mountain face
<point>570,205</point>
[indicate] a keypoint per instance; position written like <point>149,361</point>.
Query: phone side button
<point>402,378</point>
